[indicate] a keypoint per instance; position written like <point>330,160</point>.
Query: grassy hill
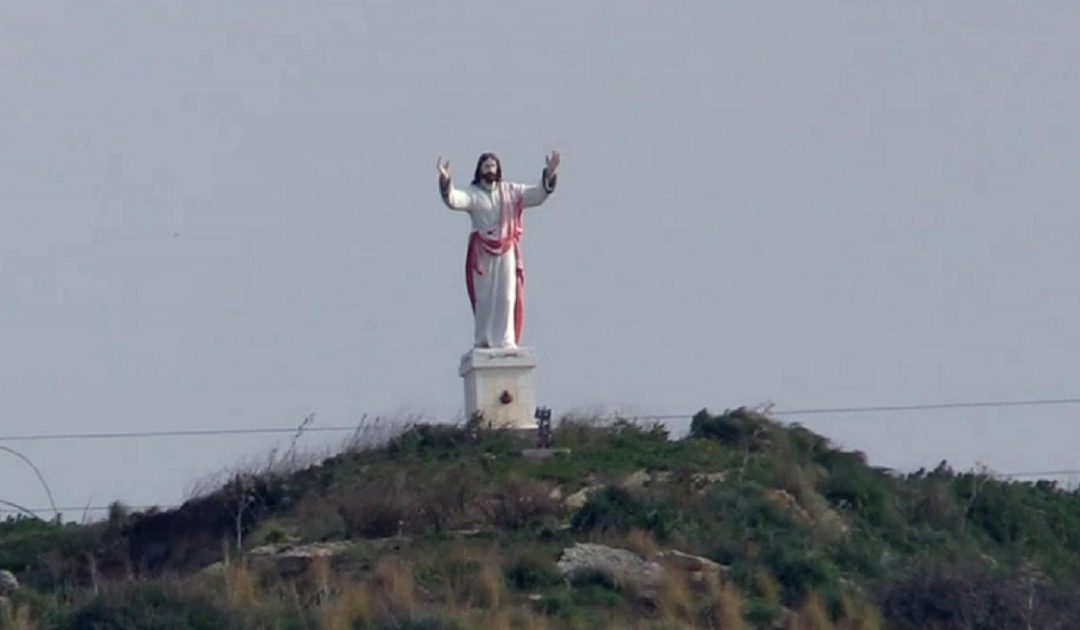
<point>745,523</point>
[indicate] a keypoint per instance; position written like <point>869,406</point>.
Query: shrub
<point>532,571</point>
<point>437,440</point>
<point>761,613</point>
<point>742,428</point>
<point>854,485</point>
<point>518,504</point>
<point>558,602</point>
<point>596,589</point>
<point>799,571</point>
<point>617,510</point>
<point>969,594</point>
<point>150,605</point>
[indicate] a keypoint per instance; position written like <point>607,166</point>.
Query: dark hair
<point>478,176</point>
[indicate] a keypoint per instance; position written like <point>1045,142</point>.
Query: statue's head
<point>488,170</point>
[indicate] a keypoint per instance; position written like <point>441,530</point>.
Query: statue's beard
<point>491,178</point>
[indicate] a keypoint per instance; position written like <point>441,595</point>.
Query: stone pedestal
<point>499,387</point>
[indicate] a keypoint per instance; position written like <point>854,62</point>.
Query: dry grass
<point>393,590</point>
<point>375,433</point>
<point>17,619</point>
<point>767,587</point>
<point>320,578</point>
<point>350,604</point>
<point>811,615</point>
<point>724,609</point>
<point>674,600</point>
<point>487,589</point>
<point>642,543</point>
<point>504,618</point>
<point>857,614</point>
<point>240,584</point>
<point>519,503</point>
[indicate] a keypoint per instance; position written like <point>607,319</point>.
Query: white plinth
<point>499,387</point>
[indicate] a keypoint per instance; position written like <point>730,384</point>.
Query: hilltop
<point>745,523</point>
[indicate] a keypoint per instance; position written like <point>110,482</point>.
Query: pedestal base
<point>499,387</point>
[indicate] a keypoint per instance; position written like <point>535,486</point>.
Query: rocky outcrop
<point>293,559</point>
<point>8,583</point>
<point>287,558</point>
<point>577,500</point>
<point>8,586</point>
<point>696,567</point>
<point>630,571</point>
<point>625,569</point>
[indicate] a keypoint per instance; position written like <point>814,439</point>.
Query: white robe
<point>496,283</point>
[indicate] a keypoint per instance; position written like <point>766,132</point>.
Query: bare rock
<point>577,500</point>
<point>786,500</point>
<point>689,562</point>
<point>291,559</point>
<point>662,476</point>
<point>285,558</point>
<point>8,583</point>
<point>704,480</point>
<point>636,480</point>
<point>624,568</point>
<point>544,453</point>
<point>697,567</point>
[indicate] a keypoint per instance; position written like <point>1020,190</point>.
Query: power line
<point>933,406</point>
<point>654,417</point>
<point>1041,473</point>
<point>170,433</point>
<point>892,408</point>
<point>87,508</point>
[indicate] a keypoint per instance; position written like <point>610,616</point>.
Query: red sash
<point>512,203</point>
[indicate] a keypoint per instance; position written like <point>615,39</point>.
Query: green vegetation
<point>447,527</point>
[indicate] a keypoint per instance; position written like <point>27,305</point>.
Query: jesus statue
<point>494,272</point>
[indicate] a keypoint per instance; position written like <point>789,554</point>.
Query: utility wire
<point>680,416</point>
<point>980,404</point>
<point>84,508</point>
<point>932,407</point>
<point>169,433</point>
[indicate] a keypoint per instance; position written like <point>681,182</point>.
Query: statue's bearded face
<point>489,170</point>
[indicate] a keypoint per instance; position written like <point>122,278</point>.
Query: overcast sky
<point>224,215</point>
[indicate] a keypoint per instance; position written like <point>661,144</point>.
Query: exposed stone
<point>577,500</point>
<point>8,583</point>
<point>286,558</point>
<point>642,478</point>
<point>689,562</point>
<point>624,568</point>
<point>786,500</point>
<point>662,476</point>
<point>704,480</point>
<point>544,453</point>
<point>697,567</point>
<point>290,559</point>
<point>635,480</point>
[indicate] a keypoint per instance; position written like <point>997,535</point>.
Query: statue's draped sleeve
<point>535,195</point>
<point>453,198</point>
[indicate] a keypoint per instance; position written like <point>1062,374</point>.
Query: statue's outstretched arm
<point>536,195</point>
<point>453,198</point>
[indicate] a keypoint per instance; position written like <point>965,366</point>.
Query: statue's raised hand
<point>552,163</point>
<point>443,167</point>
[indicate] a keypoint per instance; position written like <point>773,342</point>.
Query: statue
<point>494,273</point>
